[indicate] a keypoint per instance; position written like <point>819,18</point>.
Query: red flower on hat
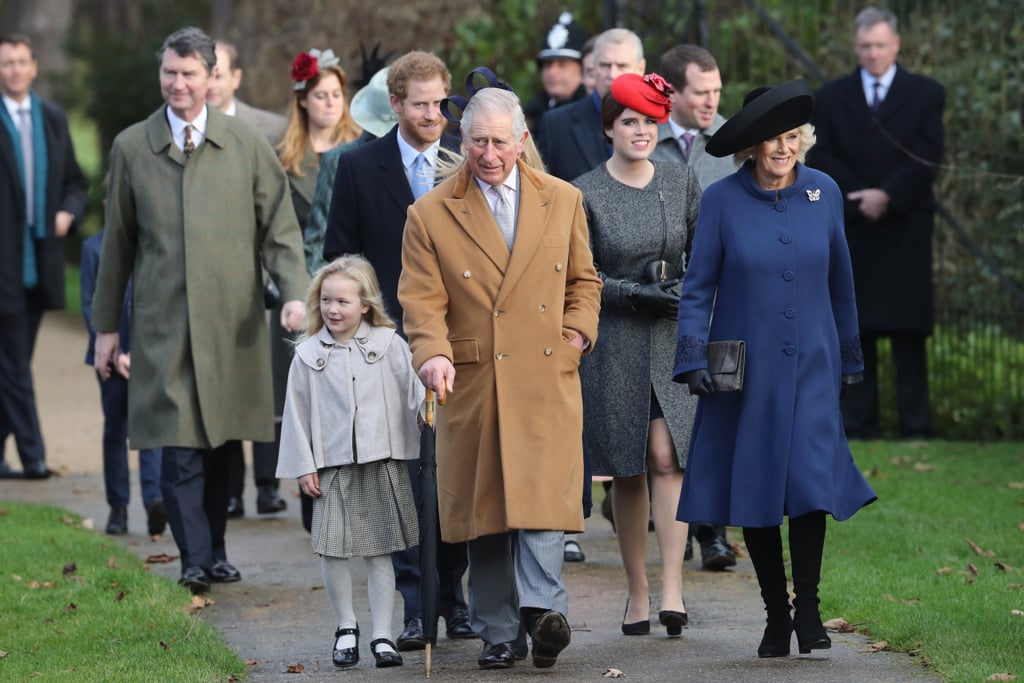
<point>659,84</point>
<point>304,67</point>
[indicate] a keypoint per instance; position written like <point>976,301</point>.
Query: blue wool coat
<point>780,267</point>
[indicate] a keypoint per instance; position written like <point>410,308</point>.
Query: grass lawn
<point>936,566</point>
<point>77,606</point>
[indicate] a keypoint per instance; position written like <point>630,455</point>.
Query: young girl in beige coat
<point>349,417</point>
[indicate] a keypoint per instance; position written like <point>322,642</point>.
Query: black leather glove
<point>848,381</point>
<point>699,381</point>
<point>655,299</point>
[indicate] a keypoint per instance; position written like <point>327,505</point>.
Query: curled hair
<point>416,66</point>
<point>295,142</point>
<point>807,140</point>
<point>191,42</point>
<point>359,270</point>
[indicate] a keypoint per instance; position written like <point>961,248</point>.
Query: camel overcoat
<point>509,439</point>
<point>195,234</point>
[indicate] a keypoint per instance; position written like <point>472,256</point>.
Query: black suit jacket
<point>368,210</point>
<point>66,190</point>
<point>896,149</point>
<point>571,139</point>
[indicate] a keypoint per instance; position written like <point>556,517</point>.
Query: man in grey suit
<point>693,74</point>
<point>224,82</point>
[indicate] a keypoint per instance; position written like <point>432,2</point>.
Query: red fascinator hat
<point>645,94</point>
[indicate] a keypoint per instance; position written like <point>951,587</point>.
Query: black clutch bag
<point>726,361</point>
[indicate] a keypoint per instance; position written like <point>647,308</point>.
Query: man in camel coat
<point>501,299</point>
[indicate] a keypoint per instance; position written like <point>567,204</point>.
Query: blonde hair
<point>359,270</point>
<point>807,140</point>
<point>293,146</point>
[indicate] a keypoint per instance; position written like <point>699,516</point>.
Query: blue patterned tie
<point>876,101</point>
<point>421,179</point>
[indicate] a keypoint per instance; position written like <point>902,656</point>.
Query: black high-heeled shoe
<point>776,638</point>
<point>810,632</point>
<point>637,628</point>
<point>673,621</point>
<point>346,657</point>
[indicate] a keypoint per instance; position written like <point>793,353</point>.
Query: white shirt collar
<point>13,107</point>
<point>511,184</point>
<point>678,130</point>
<point>178,127</point>
<point>885,80</point>
<point>232,110</point>
<point>409,153</point>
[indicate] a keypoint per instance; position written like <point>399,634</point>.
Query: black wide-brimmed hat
<point>767,111</point>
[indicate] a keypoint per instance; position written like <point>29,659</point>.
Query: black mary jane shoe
<point>346,657</point>
<point>385,658</point>
<point>673,621</point>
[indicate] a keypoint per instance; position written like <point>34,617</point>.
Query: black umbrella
<point>429,529</point>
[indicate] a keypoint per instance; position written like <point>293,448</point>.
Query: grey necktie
<point>686,140</point>
<point>25,131</point>
<point>504,214</point>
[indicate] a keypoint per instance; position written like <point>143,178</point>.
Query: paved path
<point>279,615</point>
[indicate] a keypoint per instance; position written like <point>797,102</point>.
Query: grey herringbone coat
<point>629,228</point>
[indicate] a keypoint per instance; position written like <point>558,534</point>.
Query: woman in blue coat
<point>770,266</point>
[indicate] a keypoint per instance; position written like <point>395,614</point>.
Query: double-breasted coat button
<point>466,274</point>
<point>790,312</point>
<point>788,275</point>
<point>786,238</point>
<point>547,352</point>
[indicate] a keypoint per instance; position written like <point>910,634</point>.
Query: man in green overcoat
<point>197,204</point>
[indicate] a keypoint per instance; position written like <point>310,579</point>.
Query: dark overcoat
<point>571,139</point>
<point>896,149</point>
<point>773,270</point>
<point>66,190</point>
<point>368,208</point>
<point>509,438</point>
<point>195,234</point>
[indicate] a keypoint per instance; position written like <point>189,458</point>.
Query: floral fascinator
<point>648,94</point>
<point>309,64</point>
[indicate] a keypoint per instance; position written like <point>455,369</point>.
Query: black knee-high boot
<point>765,548</point>
<point>806,545</point>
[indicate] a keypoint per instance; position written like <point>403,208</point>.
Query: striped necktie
<point>189,146</point>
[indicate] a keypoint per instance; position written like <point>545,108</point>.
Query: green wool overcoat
<point>193,233</point>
